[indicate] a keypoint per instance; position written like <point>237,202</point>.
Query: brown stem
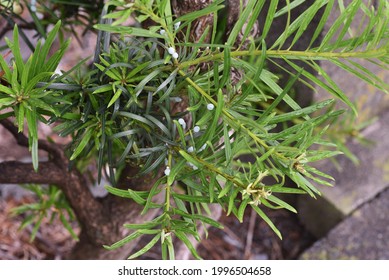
<point>88,210</point>
<point>15,172</point>
<point>54,150</point>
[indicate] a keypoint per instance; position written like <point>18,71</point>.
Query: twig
<point>250,234</point>
<point>54,150</point>
<point>15,172</point>
<point>89,211</point>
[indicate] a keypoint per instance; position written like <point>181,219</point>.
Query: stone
<point>354,184</point>
<point>363,235</point>
<point>369,101</point>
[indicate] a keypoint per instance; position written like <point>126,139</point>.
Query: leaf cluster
<point>38,16</point>
<point>189,114</point>
<point>51,203</point>
<point>227,121</point>
<point>30,102</point>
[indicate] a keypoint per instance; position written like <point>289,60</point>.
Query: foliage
<point>155,100</point>
<point>22,93</point>
<point>51,203</point>
<point>43,14</point>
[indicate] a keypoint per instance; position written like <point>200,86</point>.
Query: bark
<point>232,12</point>
<point>182,7</point>
<point>119,211</point>
<point>88,210</point>
<point>101,220</point>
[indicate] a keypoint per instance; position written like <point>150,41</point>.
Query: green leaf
<point>68,226</point>
<point>226,67</point>
<point>211,8</point>
<point>26,221</point>
<point>305,184</point>
<point>84,141</point>
<point>115,97</point>
<point>15,47</point>
<point>175,170</point>
<point>32,123</point>
<point>5,102</point>
<point>140,87</point>
<point>136,117</point>
<point>300,25</point>
<point>323,21</point>
<point>302,112</point>
<point>318,172</point>
<point>192,198</point>
<point>231,201</point>
<point>282,189</point>
<point>320,155</point>
<point>34,154</point>
<point>171,77</point>
<point>190,159</point>
<point>267,220</point>
<point>269,17</point>
<point>227,145</point>
<point>242,208</point>
<point>146,248</point>
<point>136,197</point>
<point>153,192</point>
<point>14,81</point>
<point>20,116</point>
<point>38,22</point>
<point>25,73</point>
<point>124,241</point>
<point>182,236</point>
<point>6,90</point>
<point>281,203</point>
<point>36,228</point>
<point>225,190</point>
<point>112,73</point>
<point>37,103</point>
<point>242,20</point>
<point>279,98</point>
<point>159,124</point>
<point>126,30</point>
<point>196,217</point>
<point>148,224</point>
<point>55,59</point>
<point>44,53</point>
<point>5,68</point>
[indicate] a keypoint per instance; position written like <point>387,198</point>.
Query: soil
<point>254,239</point>
<point>52,241</point>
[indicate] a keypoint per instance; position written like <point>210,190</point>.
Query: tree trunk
<point>119,211</point>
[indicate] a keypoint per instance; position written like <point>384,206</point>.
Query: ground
<point>252,239</point>
<point>52,241</point>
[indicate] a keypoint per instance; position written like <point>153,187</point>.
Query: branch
<point>14,172</point>
<point>55,151</point>
<point>89,211</point>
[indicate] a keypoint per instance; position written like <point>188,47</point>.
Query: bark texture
<point>101,220</point>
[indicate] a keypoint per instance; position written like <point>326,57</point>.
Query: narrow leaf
<point>267,220</point>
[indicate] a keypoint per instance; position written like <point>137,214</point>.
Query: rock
<point>354,185</point>
<point>361,236</point>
